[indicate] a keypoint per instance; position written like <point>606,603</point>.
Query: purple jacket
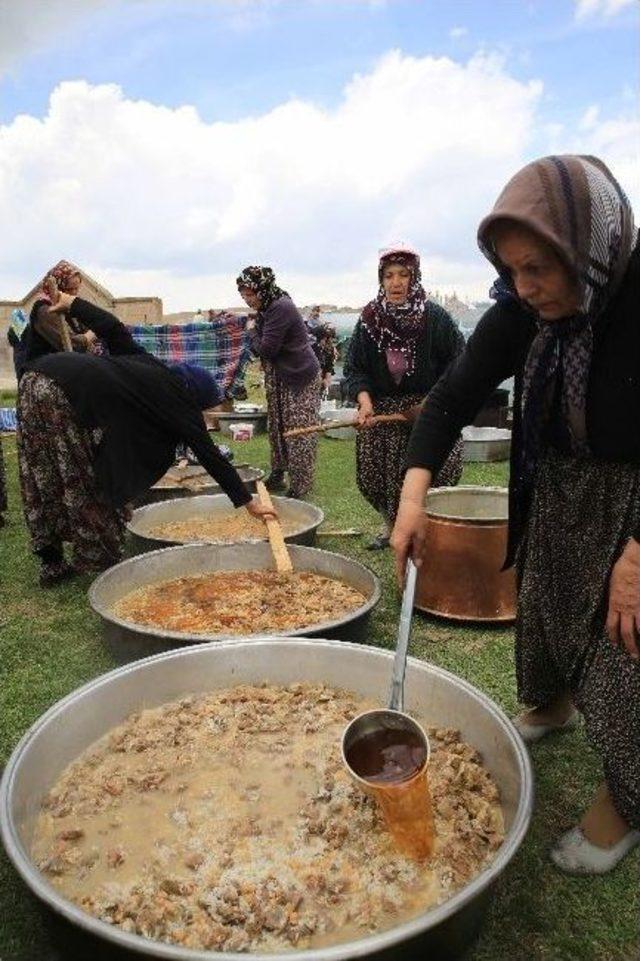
<point>280,336</point>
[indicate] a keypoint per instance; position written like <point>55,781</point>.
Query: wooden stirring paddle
<point>276,538</point>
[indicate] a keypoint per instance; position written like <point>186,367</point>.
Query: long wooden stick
<point>348,532</point>
<point>276,537</point>
<point>332,425</point>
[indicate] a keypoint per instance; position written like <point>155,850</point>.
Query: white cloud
<point>34,24</point>
<point>606,8</point>
<point>457,32</point>
<point>616,140</point>
<point>154,200</point>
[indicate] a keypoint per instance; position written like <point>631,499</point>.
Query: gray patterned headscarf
<point>263,281</point>
<point>575,204</point>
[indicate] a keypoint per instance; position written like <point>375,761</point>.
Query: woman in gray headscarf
<point>562,238</point>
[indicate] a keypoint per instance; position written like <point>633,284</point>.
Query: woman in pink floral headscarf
<point>400,346</point>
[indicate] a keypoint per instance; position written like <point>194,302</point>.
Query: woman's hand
<point>365,410</point>
<point>256,509</point>
<point>412,413</point>
<point>409,531</point>
<point>623,616</point>
<point>62,304</point>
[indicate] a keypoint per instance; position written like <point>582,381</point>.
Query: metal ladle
<point>405,803</point>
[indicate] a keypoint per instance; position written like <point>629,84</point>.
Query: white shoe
<point>574,854</point>
<point>530,733</point>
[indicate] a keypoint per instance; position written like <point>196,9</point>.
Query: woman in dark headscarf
<point>401,344</point>
<point>95,432</point>
<point>562,238</point>
<point>292,379</point>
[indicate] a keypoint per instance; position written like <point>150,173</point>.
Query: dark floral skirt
<point>61,497</point>
<point>287,409</point>
<point>381,453</point>
<point>583,513</point>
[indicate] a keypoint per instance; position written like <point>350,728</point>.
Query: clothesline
<point>222,346</point>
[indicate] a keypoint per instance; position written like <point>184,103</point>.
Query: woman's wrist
<point>416,484</point>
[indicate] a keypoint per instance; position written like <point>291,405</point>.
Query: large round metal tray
<point>486,444</point>
<point>441,698</point>
<point>129,641</point>
<point>163,491</point>
<point>306,518</point>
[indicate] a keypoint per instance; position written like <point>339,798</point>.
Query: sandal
<point>530,733</point>
<point>379,543</point>
<point>275,482</point>
<point>574,854</point>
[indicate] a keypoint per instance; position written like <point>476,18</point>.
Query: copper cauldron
<point>465,549</point>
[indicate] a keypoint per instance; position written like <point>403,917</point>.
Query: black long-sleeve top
<point>366,365</point>
<point>498,349</point>
<point>142,407</point>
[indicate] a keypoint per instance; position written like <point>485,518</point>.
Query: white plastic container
<point>241,431</point>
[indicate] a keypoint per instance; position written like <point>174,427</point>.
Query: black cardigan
<point>143,408</point>
<point>366,365</point>
<point>498,349</point>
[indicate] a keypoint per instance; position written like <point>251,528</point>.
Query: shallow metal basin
<point>129,641</point>
<point>257,418</point>
<point>340,415</point>
<point>306,518</point>
<point>434,695</point>
<point>486,443</point>
<point>164,491</point>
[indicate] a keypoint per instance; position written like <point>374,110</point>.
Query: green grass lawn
<point>51,644</point>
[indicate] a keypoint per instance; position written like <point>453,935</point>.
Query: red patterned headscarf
<point>62,272</point>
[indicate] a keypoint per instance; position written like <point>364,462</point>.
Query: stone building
<point>130,310</point>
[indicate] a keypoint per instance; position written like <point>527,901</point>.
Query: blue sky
<point>230,59</point>
<point>563,73</point>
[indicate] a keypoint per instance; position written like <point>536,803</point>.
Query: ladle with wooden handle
<point>276,537</point>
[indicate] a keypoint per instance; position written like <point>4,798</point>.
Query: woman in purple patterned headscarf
<point>400,346</point>
<point>562,237</point>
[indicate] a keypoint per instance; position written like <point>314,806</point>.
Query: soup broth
<point>226,821</point>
